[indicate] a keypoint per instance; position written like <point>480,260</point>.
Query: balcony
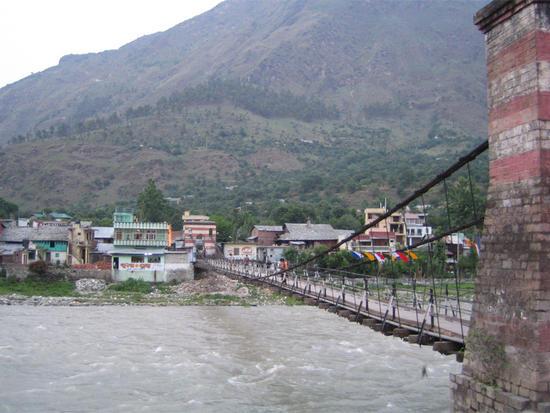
<point>141,225</point>
<point>140,243</point>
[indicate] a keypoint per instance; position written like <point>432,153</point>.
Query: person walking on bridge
<point>283,266</point>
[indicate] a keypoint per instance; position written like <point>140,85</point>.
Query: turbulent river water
<point>210,359</point>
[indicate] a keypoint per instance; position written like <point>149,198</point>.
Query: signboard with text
<point>141,266</point>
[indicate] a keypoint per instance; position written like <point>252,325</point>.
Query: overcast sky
<point>35,34</point>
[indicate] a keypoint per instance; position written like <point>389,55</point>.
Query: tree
<point>461,205</point>
<point>7,209</point>
<point>346,221</point>
<point>467,264</point>
<point>151,205</point>
<point>224,228</point>
<point>291,254</point>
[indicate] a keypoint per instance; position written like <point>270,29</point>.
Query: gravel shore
<point>209,289</point>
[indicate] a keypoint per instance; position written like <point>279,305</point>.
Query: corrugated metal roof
<point>44,233</point>
<point>309,232</point>
<point>137,251</point>
<point>104,248</point>
<point>103,232</point>
<point>269,228</point>
<point>344,232</point>
<point>60,215</point>
<point>10,249</point>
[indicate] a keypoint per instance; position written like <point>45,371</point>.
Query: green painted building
<point>141,251</point>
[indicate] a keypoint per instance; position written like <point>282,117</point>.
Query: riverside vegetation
<point>208,289</point>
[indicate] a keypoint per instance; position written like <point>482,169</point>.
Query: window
<point>151,234</point>
<point>32,255</point>
<point>154,260</point>
<point>210,232</point>
<point>236,251</point>
<point>137,258</point>
<point>118,235</point>
<point>52,244</point>
<point>138,235</point>
<point>57,255</point>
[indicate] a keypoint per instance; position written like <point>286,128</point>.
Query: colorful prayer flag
<point>412,255</point>
<point>369,256</point>
<point>403,256</point>
<point>356,255</point>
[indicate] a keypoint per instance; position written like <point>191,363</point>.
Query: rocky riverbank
<point>209,289</point>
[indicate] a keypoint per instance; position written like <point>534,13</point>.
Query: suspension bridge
<point>506,324</point>
<point>429,310</point>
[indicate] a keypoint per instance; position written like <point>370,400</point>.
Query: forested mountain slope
<point>267,96</point>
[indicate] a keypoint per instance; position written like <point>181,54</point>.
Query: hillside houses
<point>130,249</point>
<point>24,245</point>
<point>310,235</point>
<point>199,233</point>
<point>267,243</point>
<point>265,234</point>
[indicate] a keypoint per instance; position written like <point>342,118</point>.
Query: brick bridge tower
<point>507,362</point>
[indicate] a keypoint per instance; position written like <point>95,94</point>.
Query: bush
<point>131,285</point>
<point>39,268</point>
<point>38,271</point>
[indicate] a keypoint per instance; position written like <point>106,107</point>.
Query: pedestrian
<point>283,266</point>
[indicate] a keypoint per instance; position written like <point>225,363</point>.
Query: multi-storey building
<point>394,224</point>
<point>199,233</point>
<point>81,243</point>
<point>140,251</point>
<point>374,241</point>
<point>417,229</point>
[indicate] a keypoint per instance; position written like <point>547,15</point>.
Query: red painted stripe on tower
<point>521,166</point>
<point>520,110</point>
<point>534,46</point>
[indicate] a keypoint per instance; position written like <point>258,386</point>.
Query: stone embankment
<point>17,299</point>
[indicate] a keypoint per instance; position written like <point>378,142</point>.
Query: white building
<point>417,230</point>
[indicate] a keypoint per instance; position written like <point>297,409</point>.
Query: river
<point>210,359</point>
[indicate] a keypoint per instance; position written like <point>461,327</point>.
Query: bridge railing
<point>396,301</point>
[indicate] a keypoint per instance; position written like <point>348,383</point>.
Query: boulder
<point>90,285</point>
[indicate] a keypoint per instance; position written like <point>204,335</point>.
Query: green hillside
<point>253,102</point>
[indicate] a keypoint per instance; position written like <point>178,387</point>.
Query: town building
<point>240,251</point>
<point>394,226</point>
<point>417,230</point>
<point>81,243</point>
<point>265,234</point>
<point>26,245</point>
<point>374,241</point>
<point>51,219</point>
<point>310,235</point>
<point>270,254</point>
<point>140,251</point>
<point>103,238</point>
<point>199,233</point>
